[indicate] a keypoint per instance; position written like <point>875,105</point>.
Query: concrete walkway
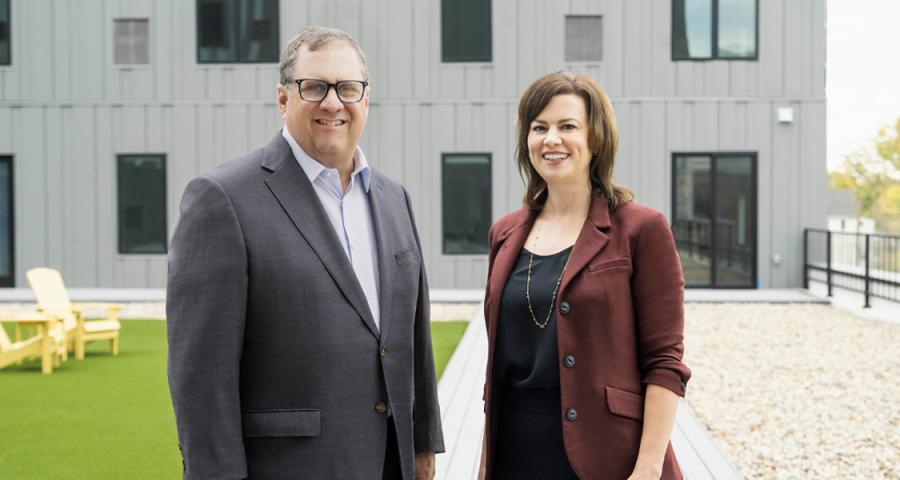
<point>460,391</point>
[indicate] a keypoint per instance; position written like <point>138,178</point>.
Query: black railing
<point>694,236</point>
<point>864,263</point>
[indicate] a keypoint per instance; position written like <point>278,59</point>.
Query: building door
<point>714,218</point>
<point>7,268</point>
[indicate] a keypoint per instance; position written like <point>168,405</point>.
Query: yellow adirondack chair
<point>53,298</point>
<point>48,344</point>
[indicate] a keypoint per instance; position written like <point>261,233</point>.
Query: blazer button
<point>564,308</point>
<point>569,361</point>
<point>571,414</point>
<point>380,408</point>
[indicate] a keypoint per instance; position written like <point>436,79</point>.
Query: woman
<point>584,306</point>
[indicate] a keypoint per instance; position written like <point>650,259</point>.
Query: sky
<point>862,73</point>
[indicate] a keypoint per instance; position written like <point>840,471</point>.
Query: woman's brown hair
<point>603,136</point>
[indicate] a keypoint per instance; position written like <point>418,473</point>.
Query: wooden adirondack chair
<point>53,298</point>
<point>48,344</point>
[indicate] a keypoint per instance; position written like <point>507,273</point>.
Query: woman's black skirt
<point>529,441</point>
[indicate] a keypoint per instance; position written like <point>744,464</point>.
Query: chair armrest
<point>82,306</point>
<point>26,317</point>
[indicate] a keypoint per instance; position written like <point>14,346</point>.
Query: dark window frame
<point>8,33</point>
<point>120,158</point>
<point>490,158</point>
<point>714,55</point>
<point>754,209</point>
<point>490,38</point>
<point>10,281</point>
<point>236,28</point>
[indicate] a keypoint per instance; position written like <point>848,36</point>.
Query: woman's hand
<point>640,473</point>
<point>482,466</point>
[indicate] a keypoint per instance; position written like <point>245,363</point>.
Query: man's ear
<point>281,98</point>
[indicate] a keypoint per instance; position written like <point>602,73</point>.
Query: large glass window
<point>714,219</point>
<point>5,51</point>
<point>466,194</point>
<point>131,41</point>
<point>466,30</point>
<point>584,38</point>
<point>714,29</point>
<point>142,203</point>
<point>237,31</point>
<point>7,271</point>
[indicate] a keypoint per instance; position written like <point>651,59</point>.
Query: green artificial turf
<point>108,417</point>
<point>444,337</point>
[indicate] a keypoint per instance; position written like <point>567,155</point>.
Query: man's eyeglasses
<point>315,90</point>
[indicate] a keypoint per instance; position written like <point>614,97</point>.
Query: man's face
<point>329,130</point>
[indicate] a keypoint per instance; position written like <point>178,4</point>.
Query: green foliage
<point>874,178</point>
<point>108,417</point>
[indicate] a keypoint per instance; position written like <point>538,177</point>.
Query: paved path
<point>460,391</point>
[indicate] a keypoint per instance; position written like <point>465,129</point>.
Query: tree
<point>873,175</point>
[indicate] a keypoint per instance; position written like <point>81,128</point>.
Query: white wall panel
<point>66,112</point>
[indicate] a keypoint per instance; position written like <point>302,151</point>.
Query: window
<point>584,36</point>
<point>7,224</point>
<point>466,193</point>
<point>466,30</point>
<point>237,31</point>
<point>714,29</point>
<point>5,51</point>
<point>131,41</point>
<point>142,203</point>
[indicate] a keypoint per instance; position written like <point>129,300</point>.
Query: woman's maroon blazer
<point>620,315</point>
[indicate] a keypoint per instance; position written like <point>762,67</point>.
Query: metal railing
<point>695,237</point>
<point>864,263</point>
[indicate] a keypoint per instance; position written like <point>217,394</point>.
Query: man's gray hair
<point>315,38</point>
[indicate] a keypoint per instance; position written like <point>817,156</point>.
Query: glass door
<point>714,221</point>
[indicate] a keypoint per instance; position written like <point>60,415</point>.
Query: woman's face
<point>558,141</point>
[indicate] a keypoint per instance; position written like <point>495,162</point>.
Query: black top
<point>526,356</point>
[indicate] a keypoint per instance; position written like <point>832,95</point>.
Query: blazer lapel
<point>591,240</point>
<point>293,190</point>
<point>511,241</point>
<point>385,235</point>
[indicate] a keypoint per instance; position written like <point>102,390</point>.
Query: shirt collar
<point>313,169</point>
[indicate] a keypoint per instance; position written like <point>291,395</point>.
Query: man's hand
<point>425,466</point>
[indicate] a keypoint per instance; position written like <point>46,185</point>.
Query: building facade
<point>109,107</point>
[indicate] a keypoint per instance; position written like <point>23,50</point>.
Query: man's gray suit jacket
<point>276,368</point>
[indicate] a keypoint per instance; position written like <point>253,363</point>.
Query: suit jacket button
<point>564,308</point>
<point>380,408</point>
<point>569,361</point>
<point>571,414</point>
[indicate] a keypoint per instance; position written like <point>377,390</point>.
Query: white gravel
<point>797,391</point>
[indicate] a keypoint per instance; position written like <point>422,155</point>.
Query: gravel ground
<point>797,391</point>
<point>157,310</point>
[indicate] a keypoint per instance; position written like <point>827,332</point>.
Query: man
<point>297,305</point>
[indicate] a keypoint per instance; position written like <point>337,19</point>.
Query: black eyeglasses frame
<point>329,86</point>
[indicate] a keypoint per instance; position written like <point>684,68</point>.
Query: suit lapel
<point>385,235</point>
<point>290,186</point>
<point>511,243</point>
<point>591,240</point>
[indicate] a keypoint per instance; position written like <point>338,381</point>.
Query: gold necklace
<point>555,289</point>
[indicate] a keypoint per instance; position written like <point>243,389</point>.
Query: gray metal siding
<point>66,111</point>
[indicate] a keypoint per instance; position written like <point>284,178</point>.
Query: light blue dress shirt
<point>350,215</point>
